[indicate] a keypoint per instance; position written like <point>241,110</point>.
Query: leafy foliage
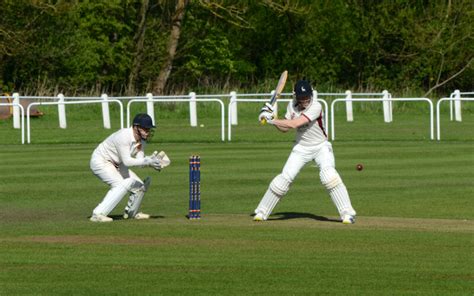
<point>91,46</point>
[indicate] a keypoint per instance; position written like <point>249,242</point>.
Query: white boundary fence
<point>455,104</point>
<point>333,127</point>
<point>62,109</point>
<point>62,119</point>
<point>21,118</point>
<point>254,98</point>
<point>185,99</point>
<point>450,99</point>
<point>385,97</point>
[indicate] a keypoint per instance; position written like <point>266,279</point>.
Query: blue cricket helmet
<point>143,120</point>
<point>303,89</point>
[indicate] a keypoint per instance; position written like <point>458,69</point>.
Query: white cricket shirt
<point>313,132</point>
<point>121,147</point>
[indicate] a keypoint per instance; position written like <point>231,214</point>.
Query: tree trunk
<point>165,71</point>
<point>139,40</point>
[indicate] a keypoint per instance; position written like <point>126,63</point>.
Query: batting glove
<point>268,116</point>
<point>267,108</point>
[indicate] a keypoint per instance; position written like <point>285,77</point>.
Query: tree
<point>175,33</point>
<point>139,40</point>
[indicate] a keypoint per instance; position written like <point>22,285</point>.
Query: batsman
<point>111,160</point>
<point>304,113</point>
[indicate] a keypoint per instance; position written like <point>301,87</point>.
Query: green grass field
<point>413,236</point>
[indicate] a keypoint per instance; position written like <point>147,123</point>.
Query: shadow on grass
<point>120,217</point>
<point>296,215</point>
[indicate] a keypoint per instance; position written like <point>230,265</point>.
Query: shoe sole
<point>100,221</point>
<point>348,221</point>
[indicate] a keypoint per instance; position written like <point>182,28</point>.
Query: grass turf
<point>413,234</point>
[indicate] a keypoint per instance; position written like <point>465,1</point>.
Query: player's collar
<point>132,136</point>
<point>296,108</point>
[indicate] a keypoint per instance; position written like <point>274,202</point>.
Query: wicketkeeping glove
<point>163,158</point>
<point>153,161</point>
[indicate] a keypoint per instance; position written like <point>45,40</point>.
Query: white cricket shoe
<point>141,216</point>
<point>259,217</point>
<point>101,218</point>
<point>348,219</point>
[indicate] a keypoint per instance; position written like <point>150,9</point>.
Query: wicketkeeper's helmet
<point>143,120</point>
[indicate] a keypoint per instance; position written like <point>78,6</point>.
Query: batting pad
<point>330,178</point>
<point>280,185</point>
<point>267,204</point>
<point>340,198</point>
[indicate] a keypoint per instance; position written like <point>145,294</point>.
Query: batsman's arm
<point>285,125</point>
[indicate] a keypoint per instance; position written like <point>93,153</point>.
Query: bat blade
<point>278,90</point>
<point>279,87</point>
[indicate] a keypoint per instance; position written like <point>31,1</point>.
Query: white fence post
<point>192,109</point>
<point>233,100</point>
<point>62,112</point>
<point>315,94</point>
<point>349,113</point>
<point>387,106</point>
<point>150,107</point>
<point>105,111</point>
<point>16,111</point>
<point>457,105</point>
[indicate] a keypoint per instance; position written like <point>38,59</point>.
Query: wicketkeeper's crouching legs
<point>137,190</point>
<point>338,193</point>
<point>277,189</point>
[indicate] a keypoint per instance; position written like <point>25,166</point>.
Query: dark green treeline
<point>137,46</point>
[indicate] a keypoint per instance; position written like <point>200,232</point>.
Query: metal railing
<point>61,101</point>
<point>28,126</point>
<point>438,119</point>
<point>183,100</point>
<point>333,127</point>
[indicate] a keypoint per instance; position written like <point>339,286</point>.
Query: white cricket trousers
<point>121,180</point>
<point>323,156</point>
<point>300,155</point>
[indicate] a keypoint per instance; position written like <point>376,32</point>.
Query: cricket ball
<point>359,167</point>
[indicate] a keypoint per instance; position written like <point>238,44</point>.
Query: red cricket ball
<point>359,167</point>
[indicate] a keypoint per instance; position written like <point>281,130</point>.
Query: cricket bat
<point>278,90</point>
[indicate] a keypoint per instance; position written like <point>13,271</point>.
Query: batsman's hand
<point>265,117</point>
<point>267,108</point>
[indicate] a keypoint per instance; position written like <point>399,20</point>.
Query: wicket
<point>194,187</point>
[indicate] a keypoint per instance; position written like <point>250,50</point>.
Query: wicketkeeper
<point>306,116</point>
<point>111,160</point>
